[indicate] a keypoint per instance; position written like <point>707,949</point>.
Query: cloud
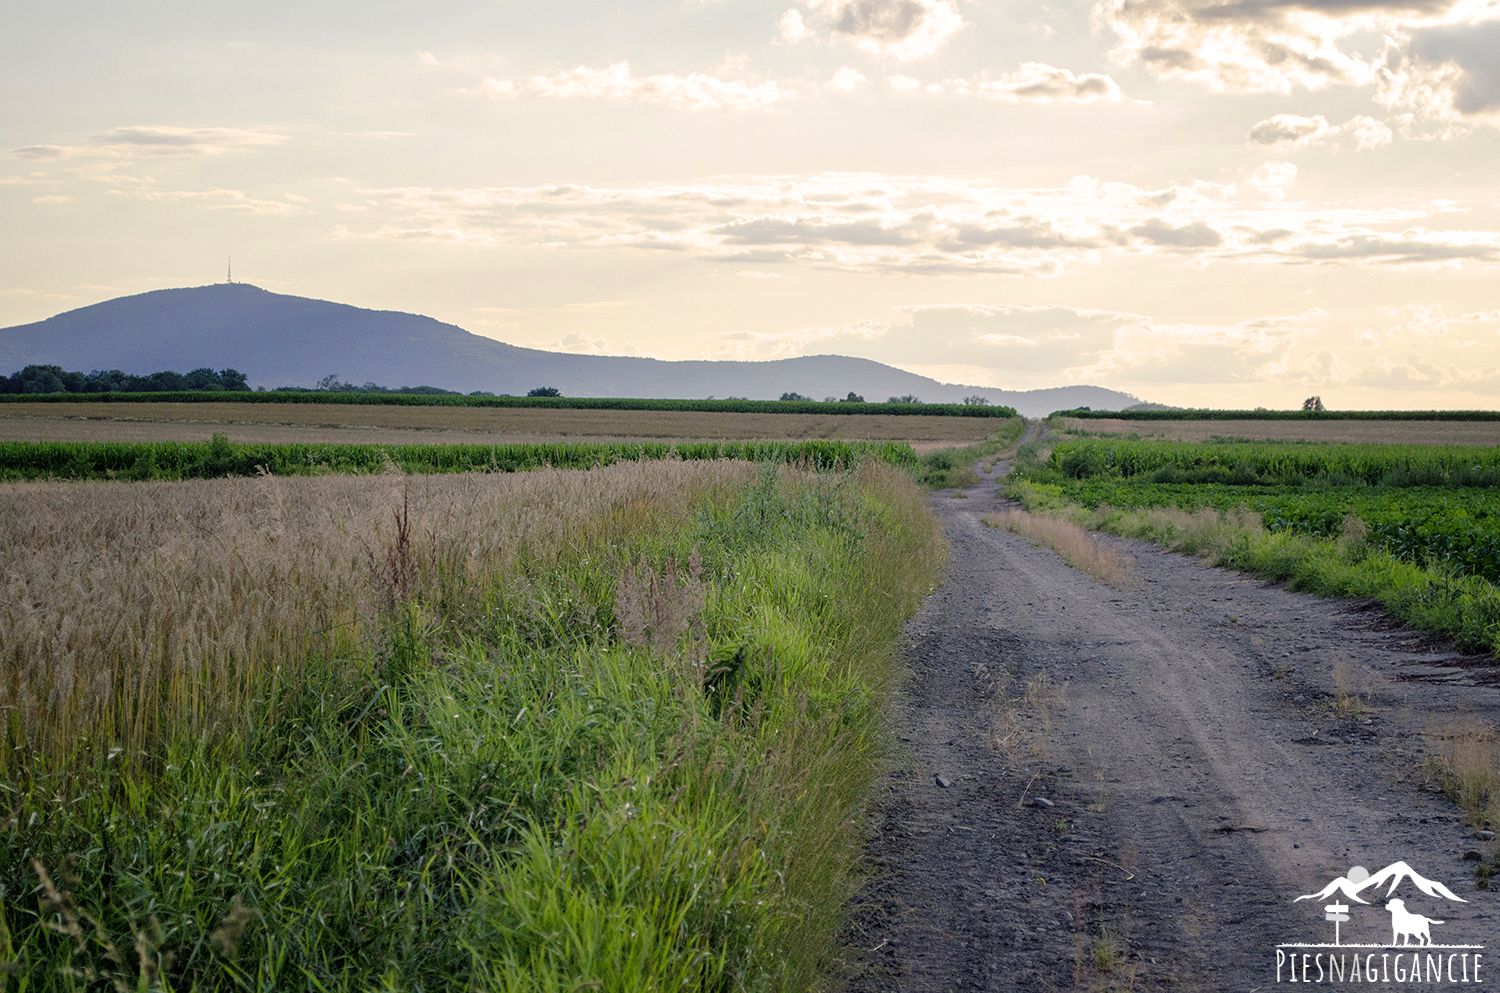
<point>1037,82</point>
<point>1257,46</point>
<point>1272,178</point>
<point>695,91</point>
<point>870,223</point>
<point>903,83</point>
<point>1438,63</point>
<point>1289,131</point>
<point>54,198</point>
<point>1198,234</point>
<point>1286,132</point>
<point>138,141</point>
<point>581,343</point>
<point>1021,345</point>
<point>233,201</point>
<point>1444,73</point>
<point>792,27</point>
<point>904,29</point>
<point>847,80</point>
<point>1412,247</point>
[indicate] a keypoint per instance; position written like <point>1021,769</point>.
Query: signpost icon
<point>1338,913</point>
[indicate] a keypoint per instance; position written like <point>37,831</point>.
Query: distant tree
<point>976,401</point>
<point>233,379</point>
<point>544,391</point>
<point>55,379</point>
<point>853,398</point>
<point>905,398</point>
<point>736,398</point>
<point>794,396</point>
<point>1313,403</point>
<point>830,399</point>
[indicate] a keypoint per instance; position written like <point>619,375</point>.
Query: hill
<point>281,340</point>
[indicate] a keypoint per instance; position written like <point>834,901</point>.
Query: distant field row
<point>219,457</point>
<point>1204,414</point>
<point>1397,432</point>
<point>546,403</point>
<point>342,423</point>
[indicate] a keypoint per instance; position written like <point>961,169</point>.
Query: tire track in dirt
<point>1208,747</point>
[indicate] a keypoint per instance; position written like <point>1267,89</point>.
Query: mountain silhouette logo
<point>1411,955</point>
<point>1358,879</point>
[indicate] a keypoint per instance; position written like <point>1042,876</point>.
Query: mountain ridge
<point>283,340</point>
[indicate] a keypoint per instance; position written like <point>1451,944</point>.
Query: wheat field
<point>358,423</point>
<point>130,608</point>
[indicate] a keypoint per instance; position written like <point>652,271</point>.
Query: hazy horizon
<point>1196,203</point>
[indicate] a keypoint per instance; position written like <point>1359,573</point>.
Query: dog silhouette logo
<point>1412,955</point>
<point>1406,925</point>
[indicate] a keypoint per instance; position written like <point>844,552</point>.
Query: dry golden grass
<point>1081,550</point>
<point>131,608</point>
<point>287,422</point>
<point>1359,432</point>
<point>1464,757</point>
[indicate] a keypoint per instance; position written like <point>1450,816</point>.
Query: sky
<point>1222,203</point>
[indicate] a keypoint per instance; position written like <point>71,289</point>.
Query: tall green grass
<point>631,762</point>
<point>219,457</point>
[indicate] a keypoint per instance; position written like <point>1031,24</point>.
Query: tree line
<point>56,379</point>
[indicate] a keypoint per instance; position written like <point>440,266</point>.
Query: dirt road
<point>1110,788</point>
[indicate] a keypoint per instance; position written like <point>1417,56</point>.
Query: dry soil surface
<point>1107,788</point>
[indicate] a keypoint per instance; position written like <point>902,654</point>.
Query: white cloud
<point>582,343</point>
<point>54,198</point>
<point>792,27</point>
<point>1367,132</point>
<point>1037,82</point>
<point>1261,46</point>
<point>904,29</point>
<point>1438,64</point>
<point>1272,178</point>
<point>916,225</point>
<point>847,80</point>
<point>695,91</point>
<point>495,89</point>
<point>903,83</point>
<point>232,201</point>
<point>138,141</point>
<point>1444,73</point>
<point>1287,132</point>
<point>1019,345</point>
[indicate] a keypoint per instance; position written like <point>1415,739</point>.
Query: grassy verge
<point>609,735</point>
<point>1463,608</point>
<point>953,467</point>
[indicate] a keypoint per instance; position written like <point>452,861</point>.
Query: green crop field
<point>1415,526</point>
<point>219,457</point>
